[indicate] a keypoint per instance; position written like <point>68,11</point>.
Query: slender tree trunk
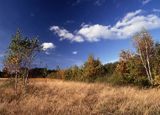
<point>26,80</point>
<point>145,65</point>
<point>149,70</point>
<point>24,73</point>
<point>16,82</point>
<point>27,74</point>
<point>148,63</point>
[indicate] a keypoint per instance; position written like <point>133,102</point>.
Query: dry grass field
<point>53,97</point>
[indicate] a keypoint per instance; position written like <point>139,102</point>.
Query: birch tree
<point>144,45</point>
<point>29,48</point>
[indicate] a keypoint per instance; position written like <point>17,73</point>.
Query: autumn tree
<point>73,73</point>
<point>13,58</point>
<point>20,55</point>
<point>92,69</point>
<point>144,45</point>
<point>156,59</point>
<point>123,59</point>
<point>30,47</point>
<point>130,69</point>
<point>109,68</point>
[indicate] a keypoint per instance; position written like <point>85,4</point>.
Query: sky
<point>70,30</point>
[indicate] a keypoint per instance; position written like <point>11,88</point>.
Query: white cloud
<point>128,17</point>
<point>145,1</point>
<point>110,61</point>
<point>65,34</point>
<point>46,46</point>
<point>74,52</point>
<point>1,55</point>
<point>131,23</point>
<point>156,10</point>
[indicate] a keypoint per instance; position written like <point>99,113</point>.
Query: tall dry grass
<point>54,97</point>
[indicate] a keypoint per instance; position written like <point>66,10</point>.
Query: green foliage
<point>157,80</point>
<point>89,72</point>
<point>38,73</point>
<point>92,69</point>
<point>112,79</point>
<point>131,70</point>
<point>144,45</point>
<point>19,58</point>
<point>72,73</point>
<point>138,68</point>
<point>1,74</point>
<point>109,68</point>
<point>52,75</point>
<point>156,60</point>
<point>21,52</point>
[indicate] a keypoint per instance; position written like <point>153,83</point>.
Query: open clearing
<point>55,97</point>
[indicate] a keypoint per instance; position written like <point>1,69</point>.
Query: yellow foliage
<point>157,80</point>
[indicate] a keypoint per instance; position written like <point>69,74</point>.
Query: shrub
<point>157,80</point>
<point>92,69</point>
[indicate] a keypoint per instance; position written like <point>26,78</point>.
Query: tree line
<point>141,67</point>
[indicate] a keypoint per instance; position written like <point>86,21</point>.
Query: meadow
<point>58,97</point>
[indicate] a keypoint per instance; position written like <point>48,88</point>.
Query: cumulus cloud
<point>130,24</point>
<point>46,46</point>
<point>65,34</point>
<point>145,1</point>
<point>74,52</point>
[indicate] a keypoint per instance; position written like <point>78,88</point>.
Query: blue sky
<point>70,30</point>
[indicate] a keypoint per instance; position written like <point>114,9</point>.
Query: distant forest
<point>141,67</point>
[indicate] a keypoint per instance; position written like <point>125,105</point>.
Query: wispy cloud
<point>110,61</point>
<point>99,2</point>
<point>130,24</point>
<point>94,2</point>
<point>76,2</point>
<point>145,1</point>
<point>156,10</point>
<point>69,22</point>
<point>74,52</point>
<point>65,34</point>
<point>1,55</point>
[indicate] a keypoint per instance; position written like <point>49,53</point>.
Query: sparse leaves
<point>20,55</point>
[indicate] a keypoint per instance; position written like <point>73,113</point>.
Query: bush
<point>52,75</point>
<point>113,79</point>
<point>92,69</point>
<point>142,81</point>
<point>157,80</point>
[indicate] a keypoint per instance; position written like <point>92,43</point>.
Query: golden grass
<point>55,97</point>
